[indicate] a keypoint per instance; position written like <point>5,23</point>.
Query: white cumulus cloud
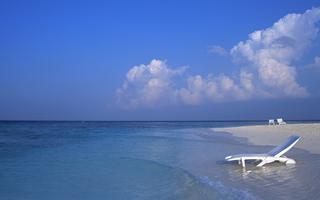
<point>272,52</point>
<point>315,64</point>
<point>149,85</point>
<point>219,50</point>
<point>156,84</point>
<point>266,62</point>
<point>215,88</point>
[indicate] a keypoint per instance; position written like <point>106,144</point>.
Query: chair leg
<point>243,162</point>
<point>261,163</point>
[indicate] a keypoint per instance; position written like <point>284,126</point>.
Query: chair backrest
<point>282,149</point>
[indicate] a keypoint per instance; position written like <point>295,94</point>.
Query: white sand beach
<point>276,134</point>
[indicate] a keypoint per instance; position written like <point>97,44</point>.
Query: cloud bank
<point>266,69</point>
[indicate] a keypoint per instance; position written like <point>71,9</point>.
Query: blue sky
<point>159,60</point>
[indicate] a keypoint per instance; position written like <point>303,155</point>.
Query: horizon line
<point>233,120</point>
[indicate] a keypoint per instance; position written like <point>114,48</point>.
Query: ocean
<point>142,160</point>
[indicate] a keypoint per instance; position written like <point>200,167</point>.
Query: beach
<point>276,134</point>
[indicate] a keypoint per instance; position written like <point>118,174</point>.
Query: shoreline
<point>277,134</point>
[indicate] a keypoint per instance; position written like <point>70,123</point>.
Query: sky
<point>159,60</point>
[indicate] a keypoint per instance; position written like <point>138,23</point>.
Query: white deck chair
<point>275,154</point>
<point>280,121</point>
<point>271,122</point>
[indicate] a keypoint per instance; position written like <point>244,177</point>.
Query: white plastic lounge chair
<point>280,121</point>
<point>272,122</point>
<point>275,154</point>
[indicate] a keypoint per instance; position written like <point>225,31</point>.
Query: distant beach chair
<point>281,122</point>
<point>272,122</point>
<point>274,155</point>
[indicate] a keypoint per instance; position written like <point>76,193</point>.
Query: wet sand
<point>276,134</point>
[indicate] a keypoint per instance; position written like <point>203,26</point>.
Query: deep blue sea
<point>142,160</point>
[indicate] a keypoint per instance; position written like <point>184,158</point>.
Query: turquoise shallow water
<point>142,160</point>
